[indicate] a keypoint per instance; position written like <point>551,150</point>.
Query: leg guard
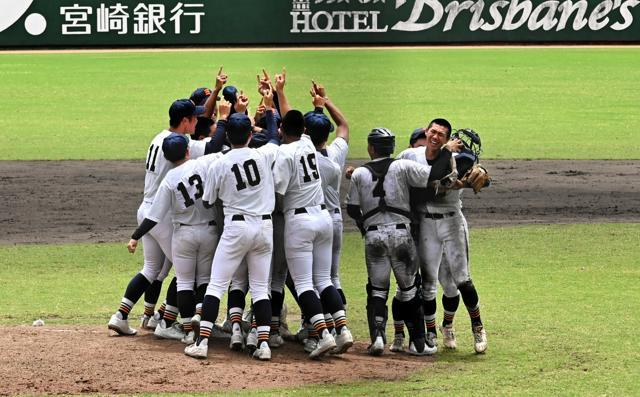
<point>377,312</point>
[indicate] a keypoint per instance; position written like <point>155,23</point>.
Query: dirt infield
<point>76,360</point>
<point>80,201</point>
<point>96,201</point>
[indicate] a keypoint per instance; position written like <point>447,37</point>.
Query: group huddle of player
<point>243,203</point>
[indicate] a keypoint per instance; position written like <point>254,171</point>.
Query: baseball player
<point>308,235</point>
<point>243,181</point>
<point>378,200</point>
<point>443,228</point>
<point>195,233</point>
<point>157,244</point>
<point>331,161</point>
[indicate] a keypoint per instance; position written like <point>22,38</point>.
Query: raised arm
<point>281,80</point>
<point>342,125</point>
<point>210,105</point>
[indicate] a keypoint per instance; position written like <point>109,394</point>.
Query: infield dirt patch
<point>96,201</point>
<point>76,360</point>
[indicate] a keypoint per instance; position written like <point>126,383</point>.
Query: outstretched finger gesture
<point>281,80</point>
<point>221,79</point>
<point>318,100</point>
<point>242,103</point>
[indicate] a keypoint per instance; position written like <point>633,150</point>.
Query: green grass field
<point>561,317</point>
<point>526,103</point>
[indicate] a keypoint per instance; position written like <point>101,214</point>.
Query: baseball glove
<point>476,178</point>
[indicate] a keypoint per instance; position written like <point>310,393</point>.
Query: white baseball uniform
<point>443,228</point>
<point>243,181</point>
<point>195,232</point>
<point>330,164</point>
<point>308,226</point>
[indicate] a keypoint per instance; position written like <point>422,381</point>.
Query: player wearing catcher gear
<point>308,235</point>
<point>443,228</point>
<point>157,244</point>
<point>195,233</point>
<point>243,181</point>
<point>378,200</point>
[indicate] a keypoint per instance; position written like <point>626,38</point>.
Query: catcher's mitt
<point>476,178</point>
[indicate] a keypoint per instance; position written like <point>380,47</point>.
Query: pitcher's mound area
<point>83,359</point>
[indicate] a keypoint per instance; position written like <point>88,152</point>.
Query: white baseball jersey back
<point>157,166</point>
<point>243,180</point>
<point>181,191</point>
<point>448,202</point>
<point>330,167</point>
<point>296,175</point>
<point>401,175</point>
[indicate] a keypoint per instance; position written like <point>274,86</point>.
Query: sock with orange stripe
<point>328,320</point>
<point>210,307</point>
<point>429,307</point>
<point>262,316</point>
<point>471,301</point>
<point>319,326</point>
<point>332,302</point>
<point>398,316</point>
<point>132,294</point>
<point>151,296</point>
<point>450,306</point>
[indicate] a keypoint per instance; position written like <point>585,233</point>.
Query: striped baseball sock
<point>328,320</point>
<point>149,309</point>
<point>186,325</point>
<point>275,325</point>
<point>125,308</point>
<point>235,316</point>
<point>340,320</point>
<point>318,324</point>
<point>263,334</point>
<point>474,313</point>
<point>161,310</point>
<point>429,307</point>
<point>170,315</point>
<point>450,306</point>
<point>398,327</point>
<point>205,331</point>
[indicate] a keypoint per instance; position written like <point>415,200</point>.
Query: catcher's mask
<point>382,141</point>
<point>472,145</point>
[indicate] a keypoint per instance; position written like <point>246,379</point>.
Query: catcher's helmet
<point>382,140</point>
<point>472,145</point>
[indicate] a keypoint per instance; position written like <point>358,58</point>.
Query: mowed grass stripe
<point>559,303</point>
<point>551,103</point>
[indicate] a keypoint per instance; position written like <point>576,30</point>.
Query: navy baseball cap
<point>317,123</point>
<point>258,140</point>
<point>175,147</point>
<point>184,108</point>
<point>229,93</point>
<point>200,95</point>
<point>238,123</point>
<point>418,133</point>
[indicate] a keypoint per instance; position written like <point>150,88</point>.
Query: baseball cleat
<point>310,344</point>
<point>144,320</point>
<point>263,353</point>
<point>197,351</point>
<point>153,321</point>
<point>479,339</point>
<point>173,332</point>
<point>398,344</point>
<point>326,343</point>
<point>237,341</point>
<point>449,337</point>
<point>377,347</point>
<point>432,339</point>
<point>275,340</point>
<point>195,325</point>
<point>344,340</point>
<point>419,347</point>
<point>226,326</point>
<point>120,326</point>
<point>189,338</point>
<point>252,340</point>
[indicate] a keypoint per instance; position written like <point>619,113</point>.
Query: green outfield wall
<point>69,23</point>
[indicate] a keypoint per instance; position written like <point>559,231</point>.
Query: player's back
<point>242,179</point>
<point>297,175</point>
<point>330,174</point>
<point>156,166</point>
<point>400,175</point>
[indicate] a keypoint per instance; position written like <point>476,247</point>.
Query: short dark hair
<point>238,128</point>
<point>203,128</point>
<point>442,122</point>
<point>293,123</point>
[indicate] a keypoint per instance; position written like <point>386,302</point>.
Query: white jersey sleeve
<point>338,151</point>
<point>161,204</point>
<point>196,148</point>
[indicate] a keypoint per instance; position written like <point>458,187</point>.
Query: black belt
<point>304,210</point>
<point>241,217</point>
<point>398,226</point>
<point>211,223</point>
<point>439,216</point>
